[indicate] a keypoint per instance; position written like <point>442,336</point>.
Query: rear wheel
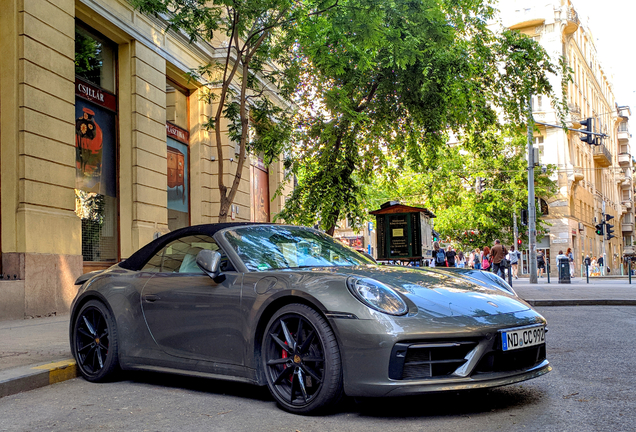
<point>301,360</point>
<point>95,342</point>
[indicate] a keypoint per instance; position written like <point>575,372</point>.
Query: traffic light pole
<point>532,228</point>
<point>604,232</point>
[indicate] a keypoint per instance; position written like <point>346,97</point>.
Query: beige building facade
<point>102,146</point>
<point>592,179</point>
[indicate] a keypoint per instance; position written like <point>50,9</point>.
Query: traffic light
<point>599,228</point>
<point>480,184</point>
<point>519,242</point>
<point>524,217</point>
<point>588,125</point>
<point>608,228</point>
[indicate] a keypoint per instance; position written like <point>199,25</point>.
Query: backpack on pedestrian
<point>440,257</point>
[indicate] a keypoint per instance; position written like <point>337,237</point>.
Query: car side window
<point>180,256</point>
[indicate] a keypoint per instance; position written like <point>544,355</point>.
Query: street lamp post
<point>532,228</point>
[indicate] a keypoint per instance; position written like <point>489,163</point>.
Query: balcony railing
<point>623,135</point>
<point>624,158</point>
<point>602,155</point>
<point>572,19</point>
<point>627,227</point>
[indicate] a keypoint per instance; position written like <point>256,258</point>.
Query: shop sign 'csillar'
<point>95,94</point>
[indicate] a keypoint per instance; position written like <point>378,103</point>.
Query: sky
<point>612,26</point>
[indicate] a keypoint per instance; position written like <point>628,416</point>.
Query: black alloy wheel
<point>95,342</point>
<point>301,360</point>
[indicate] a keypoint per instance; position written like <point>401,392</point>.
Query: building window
<point>622,127</point>
<point>538,143</point>
<point>178,139</point>
<point>96,145</point>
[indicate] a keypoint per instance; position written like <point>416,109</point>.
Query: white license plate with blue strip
<point>522,337</point>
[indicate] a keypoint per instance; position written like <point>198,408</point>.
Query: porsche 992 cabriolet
<point>291,308</point>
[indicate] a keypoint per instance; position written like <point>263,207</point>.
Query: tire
<point>95,342</point>
<point>301,360</point>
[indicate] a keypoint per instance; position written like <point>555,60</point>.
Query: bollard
<point>509,274</point>
<point>587,272</point>
<point>547,262</point>
<point>629,268</point>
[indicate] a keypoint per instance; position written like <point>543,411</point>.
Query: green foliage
<point>243,84</point>
<point>382,84</point>
<point>464,217</point>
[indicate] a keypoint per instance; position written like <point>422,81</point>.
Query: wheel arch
<point>266,315</point>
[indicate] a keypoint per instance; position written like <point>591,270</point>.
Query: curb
<point>26,378</point>
<point>581,302</point>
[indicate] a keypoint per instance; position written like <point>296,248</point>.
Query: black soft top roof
<point>139,258</point>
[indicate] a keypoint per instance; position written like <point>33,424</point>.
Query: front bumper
<point>368,350</point>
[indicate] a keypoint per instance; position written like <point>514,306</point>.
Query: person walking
<point>485,259</point>
<point>571,260</point>
<point>471,259</point>
<point>600,263</point>
<point>540,263</point>
<point>477,260</point>
<point>461,260</point>
<point>498,253</point>
<point>514,256</point>
<point>439,256</point>
<point>450,256</point>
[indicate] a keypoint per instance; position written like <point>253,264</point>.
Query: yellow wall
<point>38,149</point>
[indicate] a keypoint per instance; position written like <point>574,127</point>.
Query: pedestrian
<point>600,263</point>
<point>540,263</point>
<point>498,253</point>
<point>571,261</point>
<point>594,270</point>
<point>485,259</point>
<point>450,256</point>
<point>461,260</point>
<point>477,260</point>
<point>514,256</point>
<point>439,255</point>
<point>471,259</point>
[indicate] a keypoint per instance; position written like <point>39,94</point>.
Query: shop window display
<point>96,145</point>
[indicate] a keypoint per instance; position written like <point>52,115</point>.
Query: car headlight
<point>377,296</point>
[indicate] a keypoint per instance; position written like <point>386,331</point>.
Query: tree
<point>466,217</point>
<point>253,32</point>
<point>381,86</point>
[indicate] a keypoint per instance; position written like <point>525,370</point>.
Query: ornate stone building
<point>102,146</point>
<point>591,179</point>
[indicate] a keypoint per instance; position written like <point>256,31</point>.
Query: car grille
<point>520,359</point>
<point>428,360</point>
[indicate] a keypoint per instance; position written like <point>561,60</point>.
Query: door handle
<point>151,298</point>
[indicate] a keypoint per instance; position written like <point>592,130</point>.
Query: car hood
<point>444,294</point>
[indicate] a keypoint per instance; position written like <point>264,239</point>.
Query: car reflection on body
<point>290,308</point>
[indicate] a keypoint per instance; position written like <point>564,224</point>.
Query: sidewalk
<point>36,352</point>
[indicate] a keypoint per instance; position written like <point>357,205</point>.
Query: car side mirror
<point>210,262</point>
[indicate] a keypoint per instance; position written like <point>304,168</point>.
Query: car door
<point>188,314</point>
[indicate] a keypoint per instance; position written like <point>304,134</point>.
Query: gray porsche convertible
<point>293,309</point>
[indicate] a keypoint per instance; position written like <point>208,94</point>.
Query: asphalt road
<point>592,388</point>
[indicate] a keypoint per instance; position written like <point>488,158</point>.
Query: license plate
<point>523,337</point>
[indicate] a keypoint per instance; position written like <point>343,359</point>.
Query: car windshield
<point>266,247</point>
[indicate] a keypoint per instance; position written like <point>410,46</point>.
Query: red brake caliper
<point>285,355</point>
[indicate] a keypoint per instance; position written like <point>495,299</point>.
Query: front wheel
<point>95,342</point>
<point>301,360</point>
